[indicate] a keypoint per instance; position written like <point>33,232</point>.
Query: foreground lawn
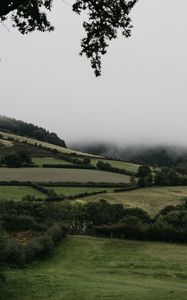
<point>17,193</point>
<point>150,199</point>
<point>58,174</point>
<point>89,268</point>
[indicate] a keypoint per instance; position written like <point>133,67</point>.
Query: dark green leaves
<point>105,18</point>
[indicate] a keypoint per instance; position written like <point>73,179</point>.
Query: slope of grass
<point>44,144</point>
<point>17,193</point>
<point>150,199</point>
<point>89,268</point>
<point>57,174</point>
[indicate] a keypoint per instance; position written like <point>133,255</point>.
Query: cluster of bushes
<point>162,177</point>
<point>67,184</point>
<point>169,225</point>
<point>101,165</point>
<point>16,160</point>
<point>36,217</point>
<point>88,184</point>
<point>145,176</point>
<point>13,222</point>
<point>83,161</point>
<point>169,177</point>
<point>15,253</point>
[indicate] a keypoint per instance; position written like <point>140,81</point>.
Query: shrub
<point>15,253</point>
<point>19,222</point>
<point>38,248</point>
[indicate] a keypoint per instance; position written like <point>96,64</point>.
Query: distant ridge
<point>28,129</point>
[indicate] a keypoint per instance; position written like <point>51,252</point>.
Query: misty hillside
<point>28,129</point>
<point>162,156</point>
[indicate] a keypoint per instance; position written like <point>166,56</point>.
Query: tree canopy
<point>105,18</point>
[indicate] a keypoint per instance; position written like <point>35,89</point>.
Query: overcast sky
<point>140,98</point>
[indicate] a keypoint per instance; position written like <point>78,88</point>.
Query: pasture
<point>17,193</point>
<point>89,268</point>
<point>60,175</point>
<point>151,199</point>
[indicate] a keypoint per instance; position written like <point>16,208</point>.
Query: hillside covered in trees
<point>30,130</point>
<point>155,155</point>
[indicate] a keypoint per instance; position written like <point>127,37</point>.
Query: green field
<point>17,193</point>
<point>150,199</point>
<point>89,268</point>
<point>58,174</point>
<point>72,191</point>
<point>49,160</point>
<point>118,164</point>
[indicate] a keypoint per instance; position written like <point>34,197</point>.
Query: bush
<point>15,253</point>
<point>19,222</point>
<point>38,248</point>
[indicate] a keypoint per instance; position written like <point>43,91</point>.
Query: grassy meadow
<point>151,199</point>
<point>57,174</point>
<point>89,268</point>
<point>17,193</point>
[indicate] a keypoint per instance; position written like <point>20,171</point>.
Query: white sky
<point>140,98</point>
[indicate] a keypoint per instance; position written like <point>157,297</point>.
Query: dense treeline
<point>68,184</point>
<point>169,177</point>
<point>158,156</point>
<point>30,130</point>
<point>16,160</point>
<point>159,177</point>
<point>169,225</point>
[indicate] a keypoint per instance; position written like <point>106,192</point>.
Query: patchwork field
<point>57,174</point>
<point>150,199</point>
<point>89,268</point>
<point>17,193</point>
